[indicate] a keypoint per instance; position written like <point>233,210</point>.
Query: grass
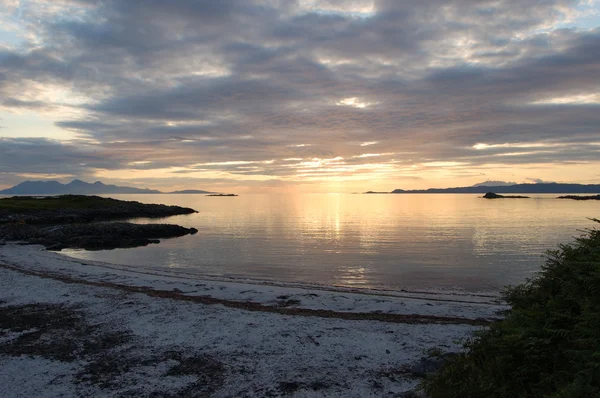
<point>548,345</point>
<point>31,203</point>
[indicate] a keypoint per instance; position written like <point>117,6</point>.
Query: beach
<point>81,328</point>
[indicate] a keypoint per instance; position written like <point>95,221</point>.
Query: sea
<point>453,242</point>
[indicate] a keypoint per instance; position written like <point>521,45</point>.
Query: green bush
<point>548,344</point>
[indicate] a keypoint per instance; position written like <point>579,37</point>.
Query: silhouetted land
<point>190,191</point>
<point>80,208</point>
<point>222,194</point>
<point>74,187</point>
<point>492,195</point>
<point>516,188</point>
<point>575,197</point>
<point>78,187</point>
<point>78,221</point>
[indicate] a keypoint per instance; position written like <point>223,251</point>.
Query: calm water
<point>372,241</point>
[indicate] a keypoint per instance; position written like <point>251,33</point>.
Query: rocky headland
<point>92,236</point>
<point>85,222</point>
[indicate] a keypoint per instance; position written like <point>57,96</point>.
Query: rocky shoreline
<point>85,222</point>
<point>80,209</point>
<point>92,236</point>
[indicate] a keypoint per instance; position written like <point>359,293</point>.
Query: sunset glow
<point>312,96</point>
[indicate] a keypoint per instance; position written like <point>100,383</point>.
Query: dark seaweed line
<point>249,306</point>
<point>381,293</point>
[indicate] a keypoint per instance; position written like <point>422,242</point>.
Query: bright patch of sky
<point>355,102</point>
<point>586,16</point>
<point>30,125</point>
<point>591,98</point>
<point>12,32</point>
<point>355,8</point>
<point>9,38</point>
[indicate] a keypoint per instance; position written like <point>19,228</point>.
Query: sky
<point>299,96</point>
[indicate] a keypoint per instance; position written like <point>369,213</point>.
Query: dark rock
<point>492,195</point>
<point>428,365</point>
<point>425,366</point>
<point>576,197</point>
<point>289,387</point>
<point>92,236</point>
<point>412,394</point>
<point>75,221</point>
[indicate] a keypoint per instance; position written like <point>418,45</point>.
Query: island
<point>492,195</point>
<point>85,222</point>
<point>491,186</point>
<point>577,197</point>
<point>222,194</point>
<point>190,192</point>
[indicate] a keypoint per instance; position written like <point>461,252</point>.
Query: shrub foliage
<point>548,344</point>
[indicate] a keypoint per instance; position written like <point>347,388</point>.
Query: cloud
<point>428,85</point>
<point>539,181</point>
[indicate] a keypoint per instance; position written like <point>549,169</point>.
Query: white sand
<point>262,353</point>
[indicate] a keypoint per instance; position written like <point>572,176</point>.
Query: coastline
<point>86,222</point>
<point>33,258</point>
<point>309,341</point>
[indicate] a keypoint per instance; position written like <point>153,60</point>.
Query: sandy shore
<point>76,328</point>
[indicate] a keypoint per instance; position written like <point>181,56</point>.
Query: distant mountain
<point>81,188</point>
<point>493,184</point>
<point>34,187</point>
<point>516,188</point>
<point>74,187</point>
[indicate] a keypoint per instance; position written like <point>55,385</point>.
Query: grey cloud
<point>37,155</point>
<point>33,63</point>
<point>193,100</point>
<point>86,125</point>
<point>539,181</point>
<point>16,103</point>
